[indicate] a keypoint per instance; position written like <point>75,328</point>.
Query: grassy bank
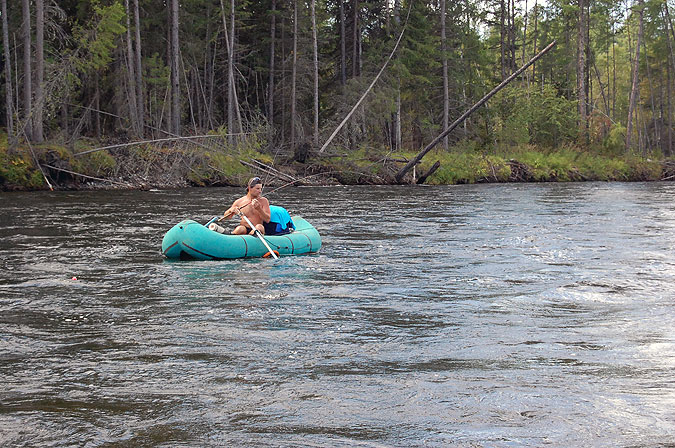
<point>157,166</point>
<point>520,164</point>
<point>529,164</point>
<point>132,167</point>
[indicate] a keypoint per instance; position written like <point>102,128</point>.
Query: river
<point>478,315</point>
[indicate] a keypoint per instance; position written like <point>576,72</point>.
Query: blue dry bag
<point>280,221</point>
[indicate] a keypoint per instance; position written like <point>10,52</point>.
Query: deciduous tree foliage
<point>288,71</point>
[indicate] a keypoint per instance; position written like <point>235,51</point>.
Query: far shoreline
<point>157,167</point>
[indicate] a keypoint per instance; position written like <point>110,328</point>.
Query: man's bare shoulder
<point>241,201</point>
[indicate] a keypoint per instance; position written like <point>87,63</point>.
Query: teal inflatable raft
<point>191,240</point>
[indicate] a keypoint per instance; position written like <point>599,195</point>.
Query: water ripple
<point>485,315</point>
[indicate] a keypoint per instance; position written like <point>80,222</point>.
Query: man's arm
<point>230,212</point>
<point>263,206</point>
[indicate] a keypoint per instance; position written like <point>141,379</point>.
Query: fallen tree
<point>399,176</point>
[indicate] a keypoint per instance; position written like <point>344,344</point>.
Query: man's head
<point>254,186</point>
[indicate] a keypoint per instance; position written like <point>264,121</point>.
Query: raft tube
<point>189,240</point>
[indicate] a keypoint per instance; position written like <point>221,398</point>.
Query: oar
<point>214,219</point>
<point>219,218</point>
<point>259,235</point>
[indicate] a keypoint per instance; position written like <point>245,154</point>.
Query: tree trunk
<point>210,87</point>
<point>397,123</point>
<point>230,75</point>
<point>65,128</point>
<point>343,51</point>
<point>587,73</point>
<point>656,140</point>
<point>672,32</point>
<point>522,59</point>
<point>27,72</point>
<point>294,63</point>
<point>581,73</point>
<point>232,101</point>
<point>605,99</point>
<point>140,104</point>
<point>38,132</point>
<point>165,110</point>
<point>397,115</point>
<point>121,82</point>
<point>315,46</point>
<point>191,96</point>
<point>360,68</point>
<point>199,93</point>
<point>502,33</point>
<point>609,81</point>
<point>131,73</point>
<point>97,105</point>
<point>634,92</point>
<point>355,41</point>
<point>444,58</point>
<point>534,38</point>
<point>283,80</point>
<point>270,113</point>
<point>512,35</point>
<point>9,106</point>
<point>613,115</point>
<point>201,86</point>
<point>466,68</point>
<point>669,151</point>
<point>526,14</point>
<point>175,79</point>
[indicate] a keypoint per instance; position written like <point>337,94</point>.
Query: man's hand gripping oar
<point>239,214</point>
<point>220,218</point>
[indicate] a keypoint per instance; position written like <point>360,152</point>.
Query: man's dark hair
<point>253,182</point>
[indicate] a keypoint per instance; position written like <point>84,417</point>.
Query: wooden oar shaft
<point>259,235</point>
<point>235,214</point>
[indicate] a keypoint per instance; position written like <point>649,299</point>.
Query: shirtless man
<point>253,205</point>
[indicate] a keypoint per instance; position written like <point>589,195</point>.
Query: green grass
<point>544,165</point>
<point>466,163</point>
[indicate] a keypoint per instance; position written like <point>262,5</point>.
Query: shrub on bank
<point>18,172</point>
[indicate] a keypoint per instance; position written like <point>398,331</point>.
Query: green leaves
<point>536,115</point>
<point>97,42</point>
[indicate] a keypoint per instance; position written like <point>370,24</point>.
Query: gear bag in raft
<point>280,221</point>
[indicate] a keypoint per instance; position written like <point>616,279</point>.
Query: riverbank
<point>182,165</point>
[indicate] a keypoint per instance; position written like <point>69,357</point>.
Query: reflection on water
<point>490,315</point>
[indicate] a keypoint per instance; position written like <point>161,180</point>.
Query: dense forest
<point>275,78</point>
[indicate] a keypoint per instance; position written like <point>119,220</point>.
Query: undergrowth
<point>467,162</point>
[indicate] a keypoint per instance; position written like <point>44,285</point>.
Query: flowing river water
<point>485,315</point>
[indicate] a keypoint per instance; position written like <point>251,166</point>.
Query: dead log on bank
<point>519,172</point>
<point>270,171</point>
<point>288,177</point>
<point>431,171</point>
<point>73,173</point>
<point>465,115</point>
<point>668,170</point>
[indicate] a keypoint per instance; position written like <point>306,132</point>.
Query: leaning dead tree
<point>399,176</point>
